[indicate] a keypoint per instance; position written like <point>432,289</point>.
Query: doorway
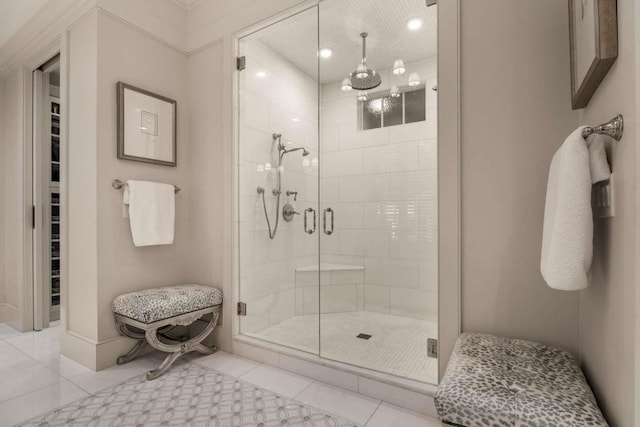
<point>46,200</point>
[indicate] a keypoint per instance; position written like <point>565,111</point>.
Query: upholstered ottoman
<point>493,381</point>
<point>150,314</point>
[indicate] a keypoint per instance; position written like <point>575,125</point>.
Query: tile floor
<point>397,346</point>
<point>35,378</point>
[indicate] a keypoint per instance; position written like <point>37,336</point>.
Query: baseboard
<point>93,354</point>
<point>9,314</point>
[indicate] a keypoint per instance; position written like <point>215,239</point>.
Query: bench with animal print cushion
<point>149,315</point>
<point>494,381</point>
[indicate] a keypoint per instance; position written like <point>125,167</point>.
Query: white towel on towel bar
<point>598,164</point>
<point>151,212</point>
<point>567,238</point>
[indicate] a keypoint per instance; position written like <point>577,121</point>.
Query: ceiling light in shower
<point>364,78</point>
<point>326,52</point>
<point>414,24</point>
<point>362,95</point>
<point>414,79</point>
<point>261,74</point>
<point>295,119</point>
<point>346,85</point>
<point>394,92</point>
<point>398,67</point>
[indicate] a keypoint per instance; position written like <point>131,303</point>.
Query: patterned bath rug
<point>188,395</point>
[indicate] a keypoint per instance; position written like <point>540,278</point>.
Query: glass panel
<point>378,292</point>
<point>392,108</point>
<point>372,114</point>
<point>278,183</point>
<point>414,106</point>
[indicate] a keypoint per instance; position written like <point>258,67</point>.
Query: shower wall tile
<point>396,272</point>
<point>282,306</point>
<point>255,112</point>
<point>414,303</point>
<point>338,298</point>
<point>330,139</point>
<point>339,277</point>
<point>347,215</point>
<point>376,298</point>
<point>428,154</point>
<point>342,163</point>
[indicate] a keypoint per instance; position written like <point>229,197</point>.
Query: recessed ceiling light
<point>326,52</point>
<point>261,74</point>
<point>295,119</point>
<point>414,23</point>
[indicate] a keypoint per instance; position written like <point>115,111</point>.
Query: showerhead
<point>305,152</point>
<point>364,78</point>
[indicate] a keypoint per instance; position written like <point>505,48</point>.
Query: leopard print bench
<point>494,381</point>
<point>149,315</point>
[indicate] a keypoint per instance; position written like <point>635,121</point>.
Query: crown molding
<point>188,5</point>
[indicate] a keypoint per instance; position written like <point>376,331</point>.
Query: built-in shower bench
<point>149,315</point>
<point>494,381</point>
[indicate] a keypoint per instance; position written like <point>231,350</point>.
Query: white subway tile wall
<point>382,185</point>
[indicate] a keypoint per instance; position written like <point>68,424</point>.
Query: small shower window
<point>384,110</point>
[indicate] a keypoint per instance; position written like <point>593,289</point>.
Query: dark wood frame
<point>120,87</point>
<point>606,31</point>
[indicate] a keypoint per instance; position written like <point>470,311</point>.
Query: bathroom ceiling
<point>14,14</point>
<point>341,22</point>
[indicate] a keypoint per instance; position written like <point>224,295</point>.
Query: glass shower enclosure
<point>337,170</point>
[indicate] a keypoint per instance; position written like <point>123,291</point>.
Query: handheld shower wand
<point>282,150</point>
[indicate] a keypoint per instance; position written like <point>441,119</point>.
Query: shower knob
<point>288,212</point>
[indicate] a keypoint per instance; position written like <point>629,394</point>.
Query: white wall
<point>14,206</point>
<point>103,261</point>
<point>382,185</point>
<point>269,105</point>
<point>206,182</point>
<point>608,307</point>
<point>515,114</point>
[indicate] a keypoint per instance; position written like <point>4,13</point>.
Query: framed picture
<point>146,126</point>
<point>593,37</point>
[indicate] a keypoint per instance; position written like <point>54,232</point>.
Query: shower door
<point>278,182</point>
<point>378,182</point>
<point>337,187</point>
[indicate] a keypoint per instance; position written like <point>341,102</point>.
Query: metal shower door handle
<point>306,229</point>
<point>324,221</point>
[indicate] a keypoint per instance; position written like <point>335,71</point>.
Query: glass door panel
<point>278,182</point>
<point>378,245</point>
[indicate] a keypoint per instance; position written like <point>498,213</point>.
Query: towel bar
<point>613,128</point>
<point>117,184</point>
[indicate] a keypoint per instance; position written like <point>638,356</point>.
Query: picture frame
<point>147,126</point>
<point>593,38</point>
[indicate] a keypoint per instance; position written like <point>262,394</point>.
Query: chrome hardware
<point>288,212</point>
<point>294,194</point>
<point>306,229</point>
<point>260,190</point>
<point>241,63</point>
<point>432,348</point>
<point>118,185</point>
<point>613,128</point>
<point>324,221</point>
<point>242,309</point>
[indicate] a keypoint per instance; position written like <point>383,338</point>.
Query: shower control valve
<point>288,212</point>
